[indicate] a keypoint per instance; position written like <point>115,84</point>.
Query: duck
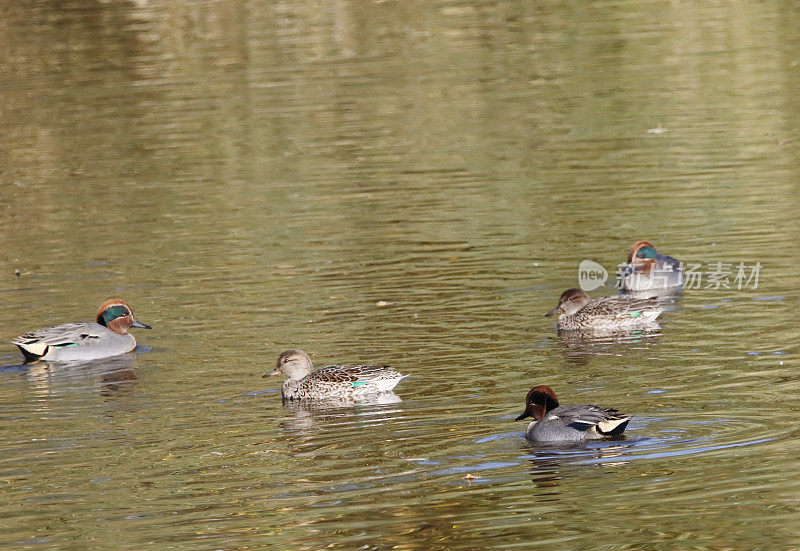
<point>349,382</point>
<point>86,340</point>
<point>555,423</point>
<point>647,270</point>
<point>577,311</point>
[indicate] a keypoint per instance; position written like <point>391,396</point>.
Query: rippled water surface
<point>411,184</point>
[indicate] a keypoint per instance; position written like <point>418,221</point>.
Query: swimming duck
<point>333,381</point>
<point>620,312</point>
<point>85,340</point>
<point>647,270</point>
<point>554,423</point>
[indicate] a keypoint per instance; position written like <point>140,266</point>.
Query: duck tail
<point>31,356</point>
<point>613,427</point>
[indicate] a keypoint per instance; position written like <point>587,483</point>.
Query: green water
<point>411,184</point>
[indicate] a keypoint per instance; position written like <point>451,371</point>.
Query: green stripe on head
<point>646,252</point>
<point>113,312</point>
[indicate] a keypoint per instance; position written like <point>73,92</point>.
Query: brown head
<point>539,401</point>
<point>642,256</point>
<point>295,364</point>
<point>570,302</point>
<point>118,316</point>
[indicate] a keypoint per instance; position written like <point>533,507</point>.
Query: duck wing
<point>623,306</point>
<point>606,421</point>
<point>349,373</point>
<point>61,335</point>
<point>34,344</point>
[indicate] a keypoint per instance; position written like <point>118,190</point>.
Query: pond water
<point>407,183</point>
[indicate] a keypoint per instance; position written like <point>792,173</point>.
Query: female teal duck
<point>86,340</point>
<point>555,423</point>
<point>616,313</point>
<point>649,271</point>
<point>333,381</point>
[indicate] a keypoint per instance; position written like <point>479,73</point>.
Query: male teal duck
<point>647,270</point>
<point>86,340</point>
<point>555,423</point>
<point>334,381</point>
<point>615,313</point>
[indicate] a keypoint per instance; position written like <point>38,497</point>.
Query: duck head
<point>642,256</point>
<point>570,302</point>
<point>539,401</point>
<point>295,364</point>
<point>118,316</point>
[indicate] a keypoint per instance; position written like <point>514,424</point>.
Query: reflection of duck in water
<point>580,346</point>
<point>306,416</point>
<point>555,423</point>
<point>578,312</point>
<point>548,466</point>
<point>83,341</point>
<point>649,271</point>
<point>123,378</point>
<point>115,376</point>
<point>334,382</point>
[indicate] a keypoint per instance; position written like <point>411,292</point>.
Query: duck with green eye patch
<point>555,423</point>
<point>647,271</point>
<point>83,341</point>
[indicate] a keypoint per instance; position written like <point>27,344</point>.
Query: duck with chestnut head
<point>85,340</point>
<point>647,270</point>
<point>556,423</point>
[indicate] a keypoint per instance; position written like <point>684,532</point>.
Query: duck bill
<point>271,373</point>
<point>554,311</point>
<point>523,416</point>
<point>140,324</point>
